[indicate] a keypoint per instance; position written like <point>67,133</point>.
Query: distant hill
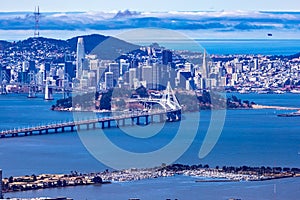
<point>4,44</point>
<point>105,47</point>
<point>90,42</point>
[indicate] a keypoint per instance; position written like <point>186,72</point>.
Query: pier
<point>141,118</point>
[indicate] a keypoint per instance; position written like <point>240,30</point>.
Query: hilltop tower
<point>80,55</point>
<point>37,21</point>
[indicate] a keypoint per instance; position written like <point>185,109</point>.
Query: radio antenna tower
<point>37,21</point>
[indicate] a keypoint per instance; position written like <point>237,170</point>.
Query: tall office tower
<point>155,76</point>
<point>204,66</point>
<point>147,75</point>
<point>109,80</point>
<point>124,67</point>
<point>132,77</point>
<point>139,72</point>
<point>100,74</point>
<point>32,67</point>
<point>115,69</point>
<point>166,57</point>
<point>69,69</point>
<point>79,58</point>
<point>256,64</point>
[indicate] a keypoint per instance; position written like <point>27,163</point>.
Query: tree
<point>34,177</point>
<point>11,179</point>
<point>142,92</point>
<point>97,179</point>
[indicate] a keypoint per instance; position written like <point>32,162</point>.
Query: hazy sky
<point>149,5</point>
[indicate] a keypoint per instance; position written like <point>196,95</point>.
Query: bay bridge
<point>170,111</point>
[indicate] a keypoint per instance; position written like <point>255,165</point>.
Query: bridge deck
<point>62,126</point>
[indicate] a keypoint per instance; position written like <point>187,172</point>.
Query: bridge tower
<point>169,100</point>
<point>48,91</point>
<point>3,81</point>
<point>171,104</point>
<point>66,88</point>
<point>32,85</point>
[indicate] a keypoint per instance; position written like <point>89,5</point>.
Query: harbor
<point>201,173</point>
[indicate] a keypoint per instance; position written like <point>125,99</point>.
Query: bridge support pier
<point>72,128</point>
<point>55,130</point>
<point>94,125</point>
<point>161,118</point>
<point>108,125</point>
<point>88,126</point>
<point>63,129</point>
<point>102,125</point>
<point>47,131</point>
<point>147,119</point>
<point>78,127</point>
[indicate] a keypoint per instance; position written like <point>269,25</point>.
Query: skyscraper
<point>115,69</point>
<point>147,76</point>
<point>155,76</point>
<point>109,80</point>
<point>80,54</point>
<point>132,77</point>
<point>166,57</point>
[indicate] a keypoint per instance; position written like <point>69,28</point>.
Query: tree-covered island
<point>117,99</point>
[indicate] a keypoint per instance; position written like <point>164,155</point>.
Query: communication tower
<point>37,21</point>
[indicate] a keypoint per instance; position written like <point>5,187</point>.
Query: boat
<point>295,91</point>
<point>243,91</point>
<point>279,92</point>
<point>294,114</point>
<point>262,92</point>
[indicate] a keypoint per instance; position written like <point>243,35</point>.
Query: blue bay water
<point>249,137</point>
<point>238,46</point>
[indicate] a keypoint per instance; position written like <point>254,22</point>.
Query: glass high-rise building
<point>80,55</point>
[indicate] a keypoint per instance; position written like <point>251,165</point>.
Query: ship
<point>293,114</point>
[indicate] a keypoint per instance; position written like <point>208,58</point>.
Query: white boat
<point>244,91</point>
<point>294,91</point>
<point>279,92</point>
<point>262,92</point>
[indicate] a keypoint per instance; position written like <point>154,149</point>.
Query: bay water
<point>249,137</point>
